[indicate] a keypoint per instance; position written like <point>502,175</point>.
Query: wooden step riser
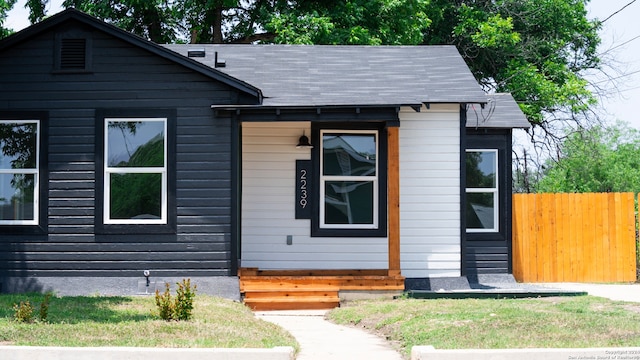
<point>276,305</point>
<point>342,284</point>
<point>290,294</point>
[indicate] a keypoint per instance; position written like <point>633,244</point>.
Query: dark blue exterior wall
<point>122,77</point>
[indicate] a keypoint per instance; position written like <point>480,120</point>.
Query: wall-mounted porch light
<point>303,142</point>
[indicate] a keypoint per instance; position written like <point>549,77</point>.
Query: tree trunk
<point>217,25</point>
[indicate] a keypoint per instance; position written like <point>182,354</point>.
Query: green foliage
<point>596,160</point>
<point>185,295</point>
<point>44,307</point>
<point>23,312</point>
<point>151,19</point>
<point>5,7</point>
<point>534,49</point>
<point>164,303</point>
<point>180,308</point>
<point>358,22</point>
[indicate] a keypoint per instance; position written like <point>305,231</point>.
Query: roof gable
<point>75,15</point>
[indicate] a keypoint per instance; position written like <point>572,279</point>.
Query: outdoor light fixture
<point>303,142</point>
<point>146,274</point>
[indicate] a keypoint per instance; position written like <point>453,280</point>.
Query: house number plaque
<point>303,189</point>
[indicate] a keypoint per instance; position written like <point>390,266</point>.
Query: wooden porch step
<point>363,283</point>
<point>283,303</point>
<point>292,299</point>
<point>310,289</point>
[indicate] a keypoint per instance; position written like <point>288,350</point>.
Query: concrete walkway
<point>321,340</point>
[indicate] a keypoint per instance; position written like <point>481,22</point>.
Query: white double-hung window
<point>135,171</point>
<point>19,172</point>
<point>482,190</point>
<point>349,179</point>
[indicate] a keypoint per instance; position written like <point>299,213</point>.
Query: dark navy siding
<point>122,77</point>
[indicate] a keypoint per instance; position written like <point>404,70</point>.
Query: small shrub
<point>44,307</point>
<point>184,300</point>
<point>164,304</point>
<point>180,308</point>
<point>23,312</point>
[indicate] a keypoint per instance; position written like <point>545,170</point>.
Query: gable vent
<point>73,54</point>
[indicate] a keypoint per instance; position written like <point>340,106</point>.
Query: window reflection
<point>135,173</point>
<point>136,196</point>
<point>349,179</point>
<point>18,171</point>
<point>349,202</point>
<point>349,155</point>
<point>135,143</point>
<point>481,190</point>
<point>481,169</point>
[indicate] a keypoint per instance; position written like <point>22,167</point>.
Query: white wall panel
<point>268,215</point>
<point>430,191</point>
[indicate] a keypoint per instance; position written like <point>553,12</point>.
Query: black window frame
<point>171,226</point>
<point>382,156</point>
<point>43,174</point>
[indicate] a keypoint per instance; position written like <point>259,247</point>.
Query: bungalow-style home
<point>345,168</point>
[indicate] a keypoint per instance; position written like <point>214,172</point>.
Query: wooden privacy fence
<point>574,237</point>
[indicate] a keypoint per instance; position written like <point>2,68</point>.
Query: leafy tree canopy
<point>5,6</point>
<point>596,160</point>
<point>536,49</point>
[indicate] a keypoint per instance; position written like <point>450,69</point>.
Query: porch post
<point>393,201</point>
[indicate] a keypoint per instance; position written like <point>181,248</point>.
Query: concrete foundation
<point>223,286</point>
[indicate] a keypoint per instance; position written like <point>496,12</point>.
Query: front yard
<point>560,322</point>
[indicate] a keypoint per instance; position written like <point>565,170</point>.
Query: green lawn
<point>130,321</point>
<point>573,322</point>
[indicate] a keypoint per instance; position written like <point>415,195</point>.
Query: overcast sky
<point>620,48</point>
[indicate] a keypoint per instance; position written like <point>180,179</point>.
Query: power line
<point>617,12</point>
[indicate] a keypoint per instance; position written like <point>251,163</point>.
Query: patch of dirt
<point>633,308</point>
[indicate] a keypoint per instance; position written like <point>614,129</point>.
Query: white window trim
<point>496,205</point>
<point>131,170</point>
<point>325,178</point>
<point>36,172</point>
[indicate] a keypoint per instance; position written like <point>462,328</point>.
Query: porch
<point>313,289</point>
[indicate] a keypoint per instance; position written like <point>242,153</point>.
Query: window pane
<point>480,211</point>
<point>349,154</point>
<point>348,202</point>
<point>135,143</point>
<point>481,169</point>
<point>18,145</point>
<point>135,196</point>
<point>17,196</point>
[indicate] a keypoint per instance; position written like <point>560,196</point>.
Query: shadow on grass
<point>80,309</point>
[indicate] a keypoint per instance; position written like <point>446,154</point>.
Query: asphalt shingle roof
<point>501,112</point>
<point>303,75</point>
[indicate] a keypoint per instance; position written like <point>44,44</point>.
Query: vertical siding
<point>589,237</point>
<point>122,77</point>
<point>430,191</point>
<point>268,215</point>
